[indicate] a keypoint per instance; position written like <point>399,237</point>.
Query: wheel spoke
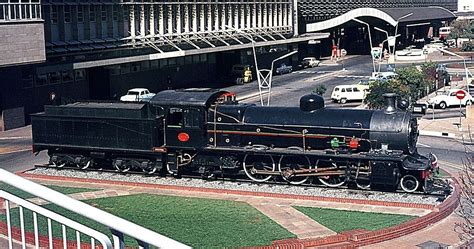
<point>288,165</point>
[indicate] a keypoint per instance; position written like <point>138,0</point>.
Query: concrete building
<point>97,49</point>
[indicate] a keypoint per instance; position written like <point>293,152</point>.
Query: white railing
<point>20,11</point>
<point>118,226</point>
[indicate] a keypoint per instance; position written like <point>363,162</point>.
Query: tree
<point>320,89</point>
<point>462,29</point>
<point>410,85</point>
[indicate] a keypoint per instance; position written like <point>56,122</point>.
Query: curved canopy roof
<point>390,15</point>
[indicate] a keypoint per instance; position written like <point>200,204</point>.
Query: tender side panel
<point>92,133</point>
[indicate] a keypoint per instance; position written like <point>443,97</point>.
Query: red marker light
<point>354,144</point>
<point>183,137</point>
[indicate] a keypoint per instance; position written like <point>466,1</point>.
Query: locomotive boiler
<point>207,132</point>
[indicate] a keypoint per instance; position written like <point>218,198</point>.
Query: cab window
<point>175,117</point>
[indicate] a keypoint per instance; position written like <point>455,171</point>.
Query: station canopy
<point>390,15</point>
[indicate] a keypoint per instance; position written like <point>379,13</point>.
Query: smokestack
<point>390,103</point>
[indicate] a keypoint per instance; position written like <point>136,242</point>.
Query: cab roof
<point>187,97</point>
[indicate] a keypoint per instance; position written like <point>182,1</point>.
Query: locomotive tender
<point>209,133</point>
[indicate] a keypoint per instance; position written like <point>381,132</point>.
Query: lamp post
<point>253,49</point>
<point>384,31</point>
<point>269,76</point>
<point>370,40</point>
<point>466,71</point>
<point>396,31</point>
<point>264,82</point>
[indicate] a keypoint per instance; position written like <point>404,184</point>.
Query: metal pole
<point>460,114</point>
<point>370,40</point>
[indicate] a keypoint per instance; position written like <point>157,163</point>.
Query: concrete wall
<point>21,42</point>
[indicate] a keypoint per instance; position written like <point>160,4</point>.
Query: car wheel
<point>442,105</point>
<point>343,101</point>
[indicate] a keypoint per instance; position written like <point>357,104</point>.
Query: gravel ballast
<point>245,186</point>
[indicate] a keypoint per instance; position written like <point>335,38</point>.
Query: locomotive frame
<point>207,132</point>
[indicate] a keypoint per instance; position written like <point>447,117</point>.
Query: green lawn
<point>200,223</point>
<point>340,220</point>
<point>64,190</point>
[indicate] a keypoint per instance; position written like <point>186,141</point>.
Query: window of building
<point>125,68</point>
<point>188,60</point>
<point>163,63</point>
<point>154,64</point>
<point>41,79</point>
<point>67,13</point>
<point>54,14</point>
<point>115,13</point>
<point>67,76</point>
<point>80,74</point>
<point>145,65</point>
<point>104,13</point>
<point>92,13</point>
<point>80,14</point>
<point>27,76</point>
<point>54,77</point>
<point>203,57</point>
<point>172,61</point>
<point>135,67</point>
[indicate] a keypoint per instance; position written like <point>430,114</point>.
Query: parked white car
<point>137,95</point>
<point>343,93</point>
<point>309,62</point>
<point>447,99</point>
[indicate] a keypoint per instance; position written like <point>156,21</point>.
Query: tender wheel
<point>409,183</point>
<point>149,170</point>
<point>442,105</point>
<point>125,165</point>
<point>289,164</point>
<point>333,181</point>
<point>255,167</point>
<point>86,164</point>
<point>343,101</point>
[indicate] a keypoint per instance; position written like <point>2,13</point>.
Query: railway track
<point>440,191</point>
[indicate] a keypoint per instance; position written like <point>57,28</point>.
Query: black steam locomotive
<point>207,132</point>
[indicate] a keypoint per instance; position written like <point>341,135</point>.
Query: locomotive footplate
<point>376,155</point>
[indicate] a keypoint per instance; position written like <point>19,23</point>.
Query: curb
<point>437,134</point>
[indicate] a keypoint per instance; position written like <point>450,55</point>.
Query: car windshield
<point>133,93</point>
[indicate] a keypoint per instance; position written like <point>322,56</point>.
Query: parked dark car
<point>283,68</point>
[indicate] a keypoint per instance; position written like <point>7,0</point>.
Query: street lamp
<point>396,30</point>
<point>370,39</point>
<point>269,77</point>
<point>253,49</point>
<point>466,71</point>
<point>384,31</point>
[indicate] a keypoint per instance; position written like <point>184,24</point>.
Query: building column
<point>202,19</point>
<point>236,16</point>
<point>186,18</point>
<point>254,15</point>
<point>178,19</point>
<point>248,16</point>
<point>152,21</point>
<point>242,16</point>
<point>131,22</point>
<point>223,17</point>
<point>230,17</point>
<point>161,20</point>
<point>195,17</point>
<point>216,17</point>
<point>259,15</point>
<point>265,15</point>
<point>170,20</point>
<point>209,18</point>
